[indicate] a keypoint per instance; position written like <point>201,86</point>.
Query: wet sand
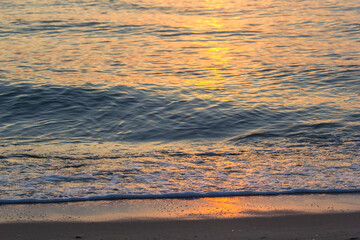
<point>318,226</point>
<point>276,217</point>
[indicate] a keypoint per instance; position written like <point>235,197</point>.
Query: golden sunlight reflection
<point>216,4</point>
<point>215,54</point>
<point>236,46</point>
<point>225,207</point>
<point>181,208</point>
<point>230,207</point>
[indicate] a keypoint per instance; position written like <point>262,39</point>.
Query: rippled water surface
<point>109,98</point>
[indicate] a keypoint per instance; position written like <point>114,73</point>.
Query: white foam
<point>179,195</point>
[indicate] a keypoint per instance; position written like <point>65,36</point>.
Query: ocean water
<point>110,99</point>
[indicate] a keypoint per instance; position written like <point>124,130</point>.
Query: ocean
<point>119,99</point>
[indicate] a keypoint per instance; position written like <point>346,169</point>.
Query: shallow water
<point>153,98</point>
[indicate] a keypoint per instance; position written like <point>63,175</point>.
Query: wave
<point>151,113</point>
<point>182,195</point>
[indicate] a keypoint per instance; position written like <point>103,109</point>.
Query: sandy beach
<point>319,226</point>
<point>274,217</point>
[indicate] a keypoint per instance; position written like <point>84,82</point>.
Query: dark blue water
<point>110,99</point>
<point>43,113</point>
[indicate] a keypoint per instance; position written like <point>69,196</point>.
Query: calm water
<point>113,99</point>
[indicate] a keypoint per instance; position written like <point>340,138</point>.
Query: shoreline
<point>314,216</point>
<point>184,195</point>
